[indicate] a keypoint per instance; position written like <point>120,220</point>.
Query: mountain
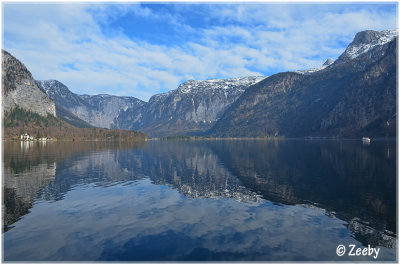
<point>354,96</point>
<point>20,89</point>
<point>28,109</point>
<point>98,110</point>
<point>192,108</point>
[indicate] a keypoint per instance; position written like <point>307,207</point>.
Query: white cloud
<point>299,36</point>
<point>66,42</point>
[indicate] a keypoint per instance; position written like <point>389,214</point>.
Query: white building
<point>26,137</point>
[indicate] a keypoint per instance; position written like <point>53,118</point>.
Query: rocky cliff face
<point>354,96</point>
<point>20,89</point>
<point>99,110</point>
<point>106,109</point>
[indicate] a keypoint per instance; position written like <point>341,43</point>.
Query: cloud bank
<point>142,49</point>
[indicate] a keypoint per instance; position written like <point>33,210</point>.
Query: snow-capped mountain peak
<point>365,41</point>
<point>50,86</point>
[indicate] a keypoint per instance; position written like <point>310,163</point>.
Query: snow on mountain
<point>311,70</point>
<point>365,41</point>
<point>384,37</point>
<point>60,94</point>
<point>328,62</point>
<point>219,84</point>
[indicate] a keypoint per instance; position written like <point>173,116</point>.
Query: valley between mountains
<point>353,96</point>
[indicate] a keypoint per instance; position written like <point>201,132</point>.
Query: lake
<point>216,200</point>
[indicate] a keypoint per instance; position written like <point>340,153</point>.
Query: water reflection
<point>341,176</point>
<point>30,171</point>
<point>217,200</point>
<point>192,168</point>
<point>21,190</point>
<point>345,178</point>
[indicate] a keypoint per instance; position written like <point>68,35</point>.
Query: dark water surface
<point>284,200</point>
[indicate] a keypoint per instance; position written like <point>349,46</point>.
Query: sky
<point>140,48</point>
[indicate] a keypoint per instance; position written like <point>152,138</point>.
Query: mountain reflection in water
<point>198,200</point>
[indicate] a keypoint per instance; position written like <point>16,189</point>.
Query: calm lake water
<point>283,200</point>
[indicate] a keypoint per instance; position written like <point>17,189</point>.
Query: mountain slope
<point>351,97</point>
<point>71,118</point>
<point>20,89</point>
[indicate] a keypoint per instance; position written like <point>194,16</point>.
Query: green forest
<point>19,121</point>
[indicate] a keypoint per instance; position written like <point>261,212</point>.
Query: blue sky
<point>140,49</point>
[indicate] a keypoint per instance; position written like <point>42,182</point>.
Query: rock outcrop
<point>365,41</point>
<point>20,89</point>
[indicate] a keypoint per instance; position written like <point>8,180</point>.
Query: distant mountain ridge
<point>192,108</point>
